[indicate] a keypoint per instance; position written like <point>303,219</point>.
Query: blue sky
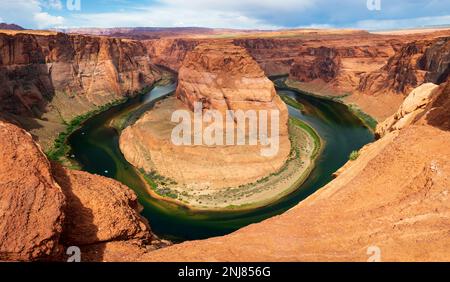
<point>247,14</point>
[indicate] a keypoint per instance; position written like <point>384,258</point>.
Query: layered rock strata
<point>415,63</point>
<point>47,79</point>
<point>222,77</point>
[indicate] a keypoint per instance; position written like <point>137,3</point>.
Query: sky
<point>242,14</point>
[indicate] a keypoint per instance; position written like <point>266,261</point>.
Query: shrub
<point>354,155</point>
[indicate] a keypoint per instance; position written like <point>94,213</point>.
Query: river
<point>95,146</point>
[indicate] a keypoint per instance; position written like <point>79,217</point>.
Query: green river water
<point>95,146</point>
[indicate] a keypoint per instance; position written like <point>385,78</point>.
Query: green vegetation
<point>159,184</point>
<point>311,132</point>
<point>354,155</point>
<point>365,118</point>
<point>292,102</point>
<point>60,147</point>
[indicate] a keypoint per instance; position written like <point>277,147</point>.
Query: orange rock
<point>40,216</point>
<point>223,77</point>
<point>31,202</point>
<point>41,73</point>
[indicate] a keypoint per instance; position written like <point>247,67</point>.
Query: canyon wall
<point>335,64</point>
<point>415,63</point>
<point>330,62</point>
<point>54,77</point>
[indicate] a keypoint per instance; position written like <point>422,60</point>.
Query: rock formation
<point>45,209</point>
<point>414,105</point>
<point>375,68</point>
<point>41,73</point>
<point>415,63</point>
<point>222,77</point>
<point>31,201</point>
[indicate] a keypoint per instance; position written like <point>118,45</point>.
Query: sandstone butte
<point>222,77</point>
<point>394,196</point>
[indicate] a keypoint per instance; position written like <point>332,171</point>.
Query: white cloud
<point>205,13</point>
<point>169,17</point>
<point>403,23</point>
<point>30,14</point>
<point>45,20</point>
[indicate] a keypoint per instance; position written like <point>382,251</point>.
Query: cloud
<point>45,20</point>
<point>30,13</point>
<point>403,23</point>
<point>169,16</point>
<point>246,14</point>
<point>266,14</point>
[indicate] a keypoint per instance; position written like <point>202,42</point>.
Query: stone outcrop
<point>31,201</point>
<point>222,77</point>
<point>45,208</point>
<point>98,209</point>
<point>414,105</point>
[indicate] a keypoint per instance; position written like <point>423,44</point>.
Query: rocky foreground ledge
<point>45,208</point>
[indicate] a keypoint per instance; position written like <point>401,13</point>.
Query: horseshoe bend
<point>224,145</point>
<point>222,77</point>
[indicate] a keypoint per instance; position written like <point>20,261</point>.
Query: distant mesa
<point>6,26</point>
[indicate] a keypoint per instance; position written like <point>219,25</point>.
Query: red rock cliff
<point>41,74</point>
<point>415,63</point>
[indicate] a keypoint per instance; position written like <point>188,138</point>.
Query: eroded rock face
<point>414,105</point>
<point>223,77</point>
<point>41,73</point>
<point>170,52</point>
<point>31,202</point>
<point>86,70</point>
<point>324,65</point>
<point>99,209</point>
<point>45,209</point>
<point>415,63</point>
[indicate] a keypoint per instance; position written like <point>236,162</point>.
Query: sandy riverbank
<point>306,146</point>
